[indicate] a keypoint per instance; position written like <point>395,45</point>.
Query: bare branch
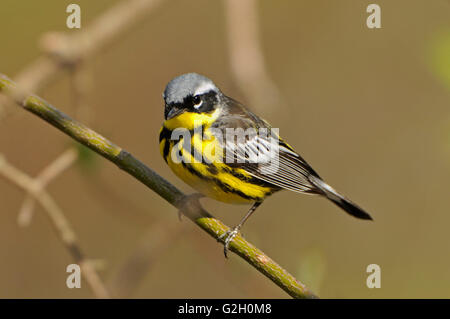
<point>68,52</point>
<point>60,223</point>
<point>64,49</point>
<point>192,209</point>
<point>246,57</point>
<point>48,174</point>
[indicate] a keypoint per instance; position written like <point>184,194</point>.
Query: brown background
<point>369,109</point>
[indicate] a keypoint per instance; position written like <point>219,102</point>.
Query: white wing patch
<point>264,158</point>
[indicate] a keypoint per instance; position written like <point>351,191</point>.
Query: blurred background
<point>368,108</point>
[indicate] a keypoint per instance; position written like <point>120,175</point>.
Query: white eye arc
<point>199,103</point>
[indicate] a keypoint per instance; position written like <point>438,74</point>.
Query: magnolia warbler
<point>243,166</point>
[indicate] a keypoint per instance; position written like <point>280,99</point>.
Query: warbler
<point>201,116</point>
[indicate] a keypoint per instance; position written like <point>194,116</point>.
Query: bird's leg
<point>186,200</point>
<point>230,234</point>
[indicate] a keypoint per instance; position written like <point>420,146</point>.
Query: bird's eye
<point>197,101</point>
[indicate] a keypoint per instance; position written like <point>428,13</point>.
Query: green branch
<point>127,162</point>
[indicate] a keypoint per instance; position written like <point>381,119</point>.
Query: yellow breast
<point>208,174</point>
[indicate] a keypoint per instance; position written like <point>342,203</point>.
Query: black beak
<point>172,111</point>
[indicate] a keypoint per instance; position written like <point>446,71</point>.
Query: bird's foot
<point>228,236</point>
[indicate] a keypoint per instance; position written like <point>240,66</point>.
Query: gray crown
<point>187,84</point>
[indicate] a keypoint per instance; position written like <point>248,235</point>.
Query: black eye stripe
<point>209,99</point>
<point>191,103</point>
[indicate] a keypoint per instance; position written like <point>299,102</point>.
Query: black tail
<point>338,199</point>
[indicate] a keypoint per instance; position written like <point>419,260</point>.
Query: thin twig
<point>60,223</point>
<point>48,174</point>
<point>127,162</point>
<point>69,48</point>
<point>246,57</point>
<point>62,49</point>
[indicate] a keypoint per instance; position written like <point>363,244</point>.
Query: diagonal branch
<point>49,173</point>
<point>127,162</point>
<point>59,222</point>
<point>63,49</point>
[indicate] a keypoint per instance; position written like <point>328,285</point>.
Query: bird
<point>196,143</point>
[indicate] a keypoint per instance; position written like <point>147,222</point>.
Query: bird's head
<point>189,98</point>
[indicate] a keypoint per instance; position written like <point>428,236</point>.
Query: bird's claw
<point>229,236</point>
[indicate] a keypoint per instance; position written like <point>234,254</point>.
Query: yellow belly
<point>220,182</point>
<point>206,187</point>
